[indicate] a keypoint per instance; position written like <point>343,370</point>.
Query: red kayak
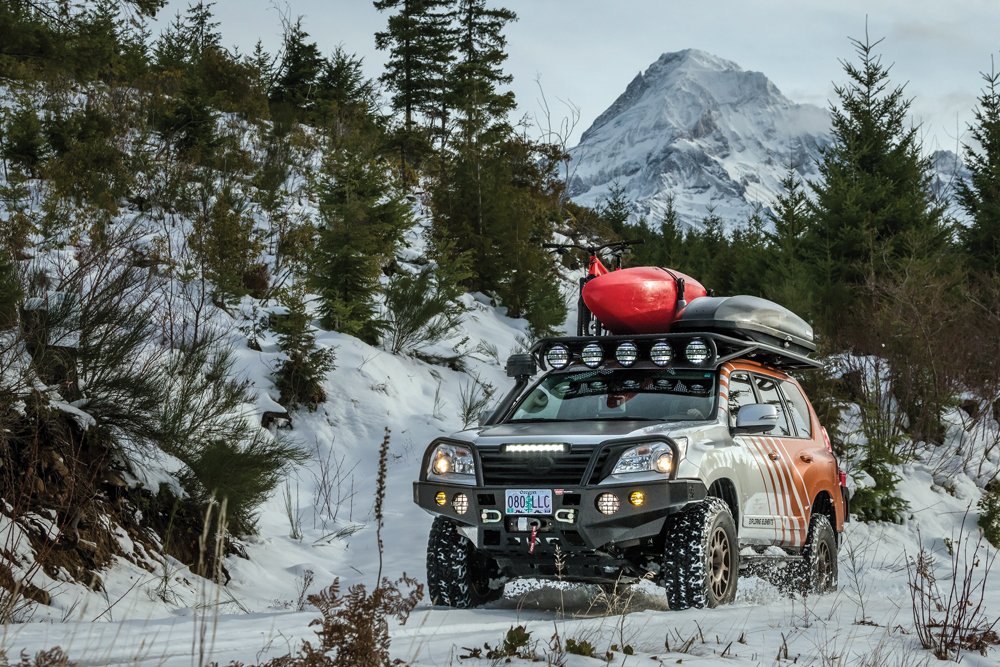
<point>639,300</point>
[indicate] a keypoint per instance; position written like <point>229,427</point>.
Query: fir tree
<point>980,196</point>
<point>478,76</point>
<point>299,71</point>
<point>420,40</point>
<point>788,279</point>
<point>362,219</point>
<point>874,193</point>
<point>299,377</point>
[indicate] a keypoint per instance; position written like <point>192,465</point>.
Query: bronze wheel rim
<point>824,567</point>
<point>720,562</point>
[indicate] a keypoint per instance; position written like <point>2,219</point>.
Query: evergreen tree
<point>299,71</point>
<point>788,279</point>
<point>477,78</point>
<point>874,193</point>
<point>980,196</point>
<point>299,377</point>
<point>362,219</point>
<point>420,40</point>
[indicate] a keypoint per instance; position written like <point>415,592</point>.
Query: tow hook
<point>534,535</point>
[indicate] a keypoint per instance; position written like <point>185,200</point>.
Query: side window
<point>768,388</point>
<point>798,408</point>
<point>740,394</point>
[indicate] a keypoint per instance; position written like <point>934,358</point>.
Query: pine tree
<point>788,279</point>
<point>299,71</point>
<point>874,196</point>
<point>299,377</point>
<point>980,196</point>
<point>420,40</point>
<point>362,219</point>
<point>477,78</point>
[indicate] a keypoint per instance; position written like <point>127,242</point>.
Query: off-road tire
<point>458,574</point>
<point>817,573</point>
<point>700,565</point>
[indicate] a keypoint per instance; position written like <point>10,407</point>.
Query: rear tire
<point>458,574</point>
<point>817,573</point>
<point>700,564</point>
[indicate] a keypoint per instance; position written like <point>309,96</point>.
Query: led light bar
<point>535,447</point>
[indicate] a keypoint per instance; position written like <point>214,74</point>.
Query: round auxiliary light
<point>460,503</point>
<point>440,498</point>
<point>592,355</point>
<point>557,357</point>
<point>637,498</point>
<point>608,503</point>
<point>627,353</point>
<point>661,353</point>
<point>697,351</point>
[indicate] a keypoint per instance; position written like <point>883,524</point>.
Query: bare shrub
<point>475,395</point>
<point>950,621</point>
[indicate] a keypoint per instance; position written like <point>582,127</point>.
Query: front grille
<point>528,469</point>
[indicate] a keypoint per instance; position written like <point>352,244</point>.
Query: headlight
<point>650,457</point>
<point>448,459</point>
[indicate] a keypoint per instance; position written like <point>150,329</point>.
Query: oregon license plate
<point>529,501</point>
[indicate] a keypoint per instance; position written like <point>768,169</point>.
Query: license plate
<point>529,501</point>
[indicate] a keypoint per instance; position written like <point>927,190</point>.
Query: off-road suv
<point>681,456</point>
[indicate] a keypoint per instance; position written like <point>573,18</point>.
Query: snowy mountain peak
<point>702,130</point>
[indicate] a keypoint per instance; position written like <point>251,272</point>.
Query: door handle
<point>806,457</point>
<point>774,456</point>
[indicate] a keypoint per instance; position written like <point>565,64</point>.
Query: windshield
<point>621,394</point>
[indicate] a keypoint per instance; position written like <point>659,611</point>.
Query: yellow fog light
<point>441,498</point>
<point>460,503</point>
<point>637,498</point>
<point>608,503</point>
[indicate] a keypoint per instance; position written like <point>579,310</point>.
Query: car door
<point>758,514</point>
<point>784,454</point>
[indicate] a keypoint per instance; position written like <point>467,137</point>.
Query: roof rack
<point>723,349</point>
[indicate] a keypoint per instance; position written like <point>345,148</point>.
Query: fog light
<point>592,355</point>
<point>440,498</point>
<point>697,351</point>
<point>665,462</point>
<point>557,357</point>
<point>627,353</point>
<point>661,353</point>
<point>608,503</point>
<point>460,503</point>
<point>637,498</point>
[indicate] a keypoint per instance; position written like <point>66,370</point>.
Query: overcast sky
<point>586,51</point>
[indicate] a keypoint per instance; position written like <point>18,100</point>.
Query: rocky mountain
<point>702,130</point>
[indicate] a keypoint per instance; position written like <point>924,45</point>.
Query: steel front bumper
<point>575,524</point>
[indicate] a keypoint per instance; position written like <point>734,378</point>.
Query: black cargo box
<point>748,317</point>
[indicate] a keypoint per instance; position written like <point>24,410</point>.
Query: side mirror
<point>756,418</point>
<point>521,366</point>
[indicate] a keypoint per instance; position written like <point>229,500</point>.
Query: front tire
<point>458,574</point>
<point>700,564</point>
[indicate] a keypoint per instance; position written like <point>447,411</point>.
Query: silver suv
<point>677,456</point>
